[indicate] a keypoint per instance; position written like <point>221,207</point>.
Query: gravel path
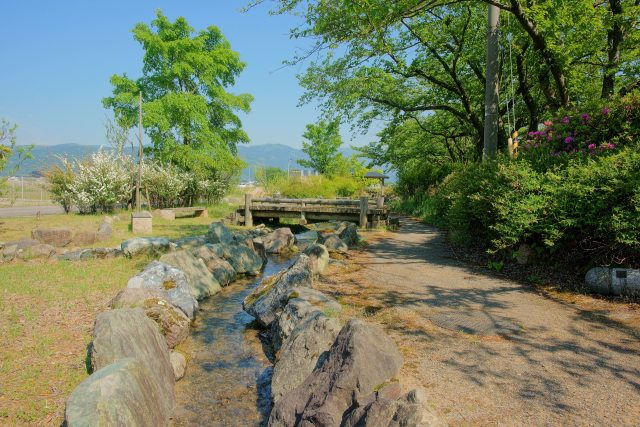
<point>494,352</point>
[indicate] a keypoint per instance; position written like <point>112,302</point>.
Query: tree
<point>270,176</point>
<point>410,59</point>
<point>8,150</point>
<point>188,113</point>
<point>322,147</point>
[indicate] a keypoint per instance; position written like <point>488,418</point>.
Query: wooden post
<point>248,218</point>
<point>364,210</point>
<point>303,217</point>
<point>380,202</point>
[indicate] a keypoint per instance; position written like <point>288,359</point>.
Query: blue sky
<point>57,58</point>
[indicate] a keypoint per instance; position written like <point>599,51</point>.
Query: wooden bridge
<point>367,213</point>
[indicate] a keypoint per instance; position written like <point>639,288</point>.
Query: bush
<point>164,184</point>
<point>101,182</point>
<point>61,178</point>
<point>322,187</point>
<point>590,209</point>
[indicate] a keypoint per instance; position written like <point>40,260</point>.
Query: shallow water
<point>227,378</point>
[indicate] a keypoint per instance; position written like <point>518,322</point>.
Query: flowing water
<point>227,380</point>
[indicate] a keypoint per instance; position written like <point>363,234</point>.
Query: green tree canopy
<point>188,113</point>
<point>322,145</point>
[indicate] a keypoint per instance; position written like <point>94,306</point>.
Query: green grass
<point>47,310</point>
<point>19,228</point>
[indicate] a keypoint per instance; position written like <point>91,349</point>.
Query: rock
<point>219,267</point>
<point>348,233</point>
<point>525,254</point>
<point>613,281</point>
<point>280,241</point>
<point>173,323</point>
<point>84,238</point>
<point>319,256</point>
<point>201,282</point>
<point>178,363</point>
<point>334,244</point>
<point>37,251</point>
<point>122,393</point>
<point>384,410</point>
<point>9,252</point>
<point>219,233</point>
<point>306,348</point>
<point>22,243</point>
<point>105,231</point>
<point>106,252</point>
<point>301,303</point>
<point>58,237</point>
<point>242,259</point>
<point>191,242</point>
<point>145,245</point>
<point>361,359</point>
<point>267,301</point>
<point>303,240</point>
<point>258,248</point>
<point>169,280</point>
<point>126,332</point>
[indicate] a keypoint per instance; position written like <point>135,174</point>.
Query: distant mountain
<point>274,155</point>
<point>45,156</point>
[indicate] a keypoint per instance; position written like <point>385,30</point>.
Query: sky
<point>57,58</point>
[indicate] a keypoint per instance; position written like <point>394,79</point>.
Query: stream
<point>227,381</point>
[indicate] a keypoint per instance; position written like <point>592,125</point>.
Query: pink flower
<point>605,111</point>
<point>548,123</point>
<point>585,118</point>
<point>611,146</point>
<point>566,120</point>
<point>568,140</point>
<point>592,146</point>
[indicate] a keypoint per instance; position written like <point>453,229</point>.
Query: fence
<point>24,191</point>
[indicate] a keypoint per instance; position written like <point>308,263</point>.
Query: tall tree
<point>188,113</point>
<point>322,145</point>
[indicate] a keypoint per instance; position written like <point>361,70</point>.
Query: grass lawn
<point>47,310</point>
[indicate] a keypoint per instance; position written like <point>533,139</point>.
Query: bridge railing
<point>364,205</point>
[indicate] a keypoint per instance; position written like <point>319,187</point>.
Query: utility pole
<point>492,87</point>
<point>139,182</point>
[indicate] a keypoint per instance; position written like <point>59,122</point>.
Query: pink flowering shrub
<point>598,130</point>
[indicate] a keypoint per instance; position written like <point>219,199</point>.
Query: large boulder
<point>219,233</point>
<point>120,394</point>
<point>279,241</point>
<point>171,281</point>
<point>348,233</point>
<point>173,323</point>
<point>300,303</point>
<point>361,359</point>
<point>306,348</point>
<point>128,332</point>
<point>258,248</point>
<point>242,258</point>
<point>319,256</point>
<point>266,302</point>
<point>145,245</point>
<point>335,244</point>
<point>218,266</point>
<point>58,237</point>
<point>201,281</point>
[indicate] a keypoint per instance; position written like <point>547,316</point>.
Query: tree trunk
<point>614,40</point>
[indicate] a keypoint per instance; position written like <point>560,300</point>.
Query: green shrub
<point>591,208</point>
<point>321,187</point>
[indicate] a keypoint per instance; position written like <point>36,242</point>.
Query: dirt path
<point>487,350</point>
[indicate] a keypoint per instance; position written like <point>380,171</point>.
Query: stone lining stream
<point>226,382</point>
